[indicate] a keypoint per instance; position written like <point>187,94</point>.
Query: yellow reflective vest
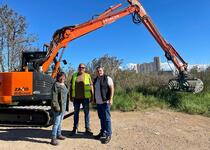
<point>87,87</point>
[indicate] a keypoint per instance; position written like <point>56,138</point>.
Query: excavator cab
<point>29,59</point>
<point>25,94</point>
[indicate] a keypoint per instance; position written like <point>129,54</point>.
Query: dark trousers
<point>105,118</point>
<point>85,105</point>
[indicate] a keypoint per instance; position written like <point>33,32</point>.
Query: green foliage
<point>138,92</point>
<point>196,104</point>
<point>111,65</point>
<point>131,100</point>
<point>13,39</point>
<point>140,98</point>
<point>134,91</point>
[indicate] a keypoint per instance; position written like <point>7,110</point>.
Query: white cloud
<point>165,66</point>
<point>169,66</point>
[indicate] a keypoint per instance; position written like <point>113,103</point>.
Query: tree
<point>13,39</point>
<point>69,70</point>
<point>111,64</point>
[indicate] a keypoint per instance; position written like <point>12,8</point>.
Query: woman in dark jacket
<point>59,105</point>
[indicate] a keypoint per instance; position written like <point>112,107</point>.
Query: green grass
<point>196,104</point>
<point>132,101</point>
<point>143,98</point>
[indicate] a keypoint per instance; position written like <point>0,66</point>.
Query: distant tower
<point>135,67</point>
<point>138,68</point>
<point>157,63</point>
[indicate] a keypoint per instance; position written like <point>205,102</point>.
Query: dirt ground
<point>150,130</point>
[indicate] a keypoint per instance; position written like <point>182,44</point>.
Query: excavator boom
<point>62,37</point>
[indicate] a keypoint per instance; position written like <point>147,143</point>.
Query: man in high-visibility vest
<point>81,92</point>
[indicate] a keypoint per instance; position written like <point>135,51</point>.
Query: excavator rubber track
<point>25,116</point>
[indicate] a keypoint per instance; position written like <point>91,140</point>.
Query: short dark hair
<point>59,75</point>
<point>99,66</point>
<point>81,64</point>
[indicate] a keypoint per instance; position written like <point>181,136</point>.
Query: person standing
<point>103,96</point>
<point>81,93</point>
<point>59,106</point>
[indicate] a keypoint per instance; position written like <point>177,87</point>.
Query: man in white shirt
<point>104,91</point>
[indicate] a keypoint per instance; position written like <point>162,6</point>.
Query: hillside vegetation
<point>138,92</point>
<point>135,91</point>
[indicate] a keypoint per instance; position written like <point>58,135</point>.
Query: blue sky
<point>184,24</point>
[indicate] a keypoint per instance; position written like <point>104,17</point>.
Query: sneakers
<point>54,142</point>
<point>88,131</point>
<point>97,137</point>
<point>61,137</point>
<point>74,131</point>
<point>106,140</point>
<point>101,135</point>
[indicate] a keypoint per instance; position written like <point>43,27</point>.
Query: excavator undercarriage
<point>33,116</point>
<point>25,116</point>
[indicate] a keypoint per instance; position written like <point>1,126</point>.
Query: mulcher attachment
<point>186,83</point>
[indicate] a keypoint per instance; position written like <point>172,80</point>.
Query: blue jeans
<point>105,118</point>
<point>85,105</point>
<point>57,120</point>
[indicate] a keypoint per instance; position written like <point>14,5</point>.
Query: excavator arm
<point>62,37</point>
<point>184,81</point>
<point>170,52</point>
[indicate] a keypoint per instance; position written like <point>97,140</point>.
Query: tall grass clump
<point>139,92</point>
<point>195,104</point>
<point>132,100</point>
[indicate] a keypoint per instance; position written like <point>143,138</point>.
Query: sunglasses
<point>82,67</point>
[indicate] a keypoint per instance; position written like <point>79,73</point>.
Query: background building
<point>156,67</point>
<point>146,68</point>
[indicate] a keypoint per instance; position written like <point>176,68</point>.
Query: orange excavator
<point>25,95</point>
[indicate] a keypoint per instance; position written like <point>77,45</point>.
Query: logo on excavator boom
<point>111,19</point>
